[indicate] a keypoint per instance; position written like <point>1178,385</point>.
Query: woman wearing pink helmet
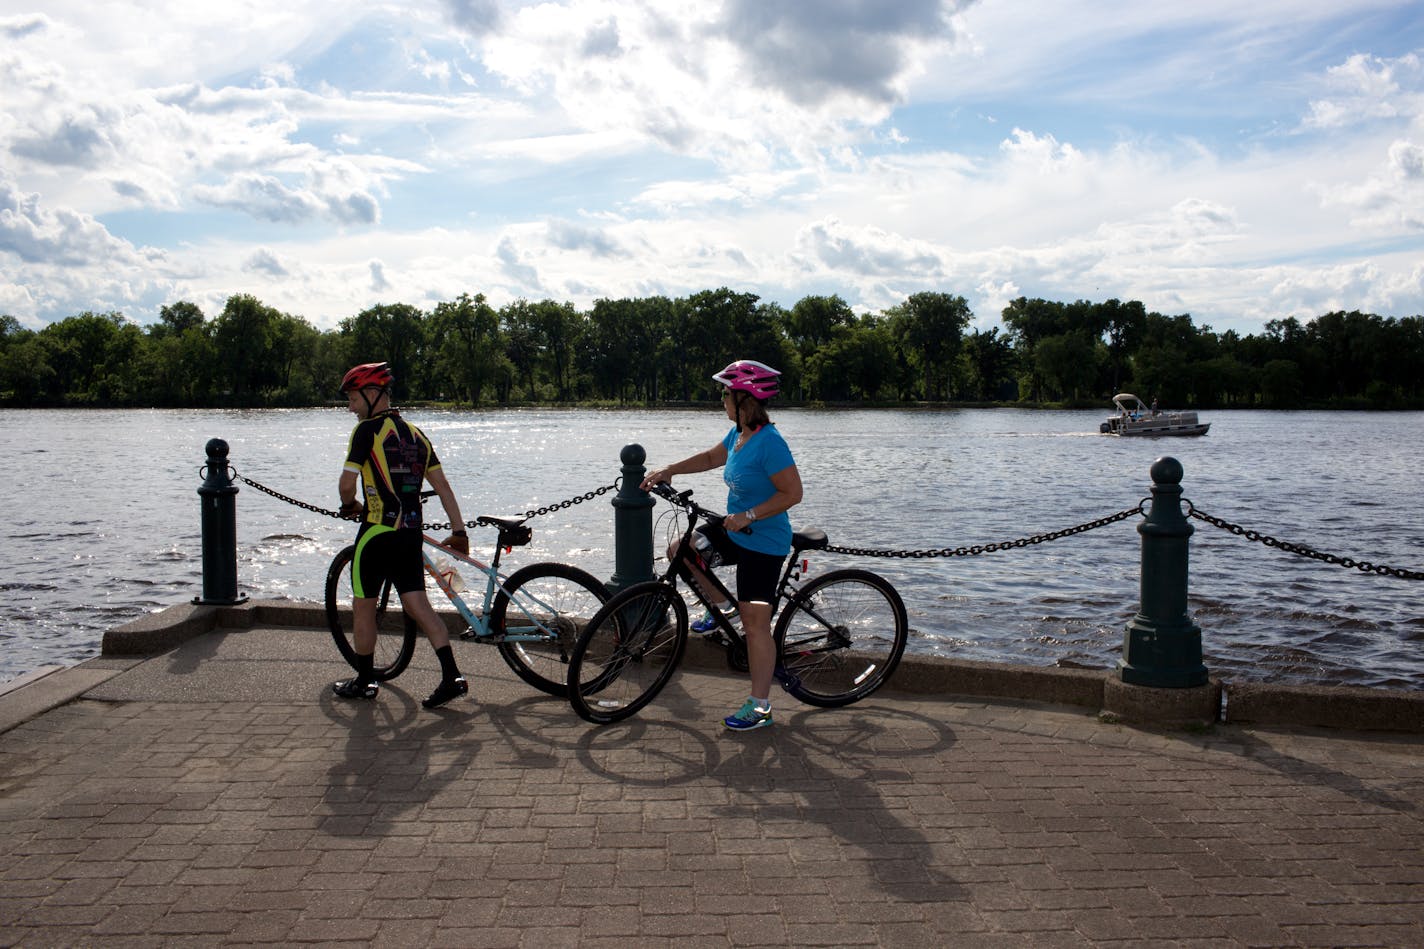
<point>762,485</point>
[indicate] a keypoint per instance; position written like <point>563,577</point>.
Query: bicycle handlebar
<point>683,499</point>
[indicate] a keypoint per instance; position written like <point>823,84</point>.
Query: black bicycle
<point>839,636</point>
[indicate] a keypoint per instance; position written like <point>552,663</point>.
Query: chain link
<point>1362,565</point>
<point>988,548</point>
<point>477,522</point>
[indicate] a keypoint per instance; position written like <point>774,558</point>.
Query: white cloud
<point>1208,159</point>
<point>263,261</point>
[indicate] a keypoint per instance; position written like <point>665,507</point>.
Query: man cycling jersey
<point>392,457</point>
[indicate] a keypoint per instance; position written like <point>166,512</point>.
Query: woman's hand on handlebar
<point>655,477</point>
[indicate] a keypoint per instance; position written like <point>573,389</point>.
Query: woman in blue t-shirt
<point>762,485</point>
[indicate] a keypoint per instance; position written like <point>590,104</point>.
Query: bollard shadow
<point>1261,751</point>
<point>397,758</point>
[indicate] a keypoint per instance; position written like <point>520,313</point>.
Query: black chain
<point>988,548</point>
<point>477,522</point>
<point>1362,565</point>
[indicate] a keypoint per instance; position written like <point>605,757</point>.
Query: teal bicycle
<point>533,616</point>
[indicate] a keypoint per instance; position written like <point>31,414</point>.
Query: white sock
<point>763,704</point>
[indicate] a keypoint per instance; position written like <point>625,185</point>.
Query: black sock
<point>366,668</point>
<point>448,669</point>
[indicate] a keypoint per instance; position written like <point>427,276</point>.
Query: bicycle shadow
<point>818,782</point>
<point>397,758</point>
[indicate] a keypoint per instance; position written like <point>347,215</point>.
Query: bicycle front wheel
<point>395,632</point>
<point>627,652</point>
<point>840,637</point>
<point>540,611</point>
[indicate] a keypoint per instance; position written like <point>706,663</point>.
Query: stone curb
<point>1244,703</point>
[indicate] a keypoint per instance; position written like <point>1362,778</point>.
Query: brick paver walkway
<point>142,815</point>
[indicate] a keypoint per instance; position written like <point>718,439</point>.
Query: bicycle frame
<point>680,567</point>
<point>479,629</point>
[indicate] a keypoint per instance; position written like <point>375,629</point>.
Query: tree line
<point>660,350</point>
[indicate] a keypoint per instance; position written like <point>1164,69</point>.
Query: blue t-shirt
<point>748,475</point>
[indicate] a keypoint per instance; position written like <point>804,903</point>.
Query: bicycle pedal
<point>789,680</point>
<point>469,633</point>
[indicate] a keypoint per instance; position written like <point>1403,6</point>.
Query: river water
<point>107,526</point>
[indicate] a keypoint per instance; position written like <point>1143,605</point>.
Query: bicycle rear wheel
<point>840,637</point>
<point>550,601</point>
<point>627,652</point>
<point>395,632</point>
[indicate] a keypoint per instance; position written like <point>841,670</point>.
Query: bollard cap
<point>217,449</point>
<point>1166,470</point>
<point>633,455</point>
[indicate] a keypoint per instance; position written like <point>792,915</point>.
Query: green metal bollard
<point>1162,646</point>
<point>219,501</point>
<point>632,523</point>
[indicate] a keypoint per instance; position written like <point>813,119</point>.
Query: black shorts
<point>757,573</point>
<point>384,553</point>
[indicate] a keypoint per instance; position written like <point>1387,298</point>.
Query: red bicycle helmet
<point>748,375</point>
<point>368,375</point>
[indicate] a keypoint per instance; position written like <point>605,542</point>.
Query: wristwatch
<point>751,514</point>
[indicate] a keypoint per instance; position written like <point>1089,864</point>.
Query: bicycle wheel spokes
<point>627,652</point>
<point>540,611</point>
<point>841,639</point>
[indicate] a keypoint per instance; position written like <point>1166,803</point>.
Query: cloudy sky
<point>1239,162</point>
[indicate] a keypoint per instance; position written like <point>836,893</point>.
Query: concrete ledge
<point>161,631</point>
<point>1144,705</point>
<point>1246,703</point>
<point>932,675</point>
<point>1257,703</point>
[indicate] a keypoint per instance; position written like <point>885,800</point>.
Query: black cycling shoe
<point>355,689</point>
<point>447,689</point>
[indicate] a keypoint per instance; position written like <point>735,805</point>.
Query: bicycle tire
<point>840,637</point>
<point>574,595</point>
<point>395,641</point>
<point>627,652</point>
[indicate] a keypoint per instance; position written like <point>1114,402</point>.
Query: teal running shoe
<point>750,716</point>
<point>707,625</point>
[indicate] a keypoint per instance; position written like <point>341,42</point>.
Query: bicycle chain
<point>977,549</point>
<point>477,522</point>
<point>1362,565</point>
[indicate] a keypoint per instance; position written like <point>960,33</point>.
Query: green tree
<point>929,327</point>
<point>392,333</point>
<point>470,350</point>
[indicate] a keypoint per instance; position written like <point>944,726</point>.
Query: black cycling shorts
<point>385,553</point>
<point>757,573</point>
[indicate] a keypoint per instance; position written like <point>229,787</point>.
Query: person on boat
<point>762,485</point>
<point>1155,413</point>
<point>392,459</point>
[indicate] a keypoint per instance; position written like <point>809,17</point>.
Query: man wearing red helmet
<point>392,459</point>
<point>762,485</point>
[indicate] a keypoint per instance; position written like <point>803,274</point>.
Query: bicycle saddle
<point>812,538</point>
<point>513,532</point>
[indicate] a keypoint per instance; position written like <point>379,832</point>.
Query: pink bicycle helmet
<point>750,376</point>
<point>366,375</point>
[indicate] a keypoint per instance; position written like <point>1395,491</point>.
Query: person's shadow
<point>397,759</point>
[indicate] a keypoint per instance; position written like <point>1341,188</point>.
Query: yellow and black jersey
<point>392,457</point>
